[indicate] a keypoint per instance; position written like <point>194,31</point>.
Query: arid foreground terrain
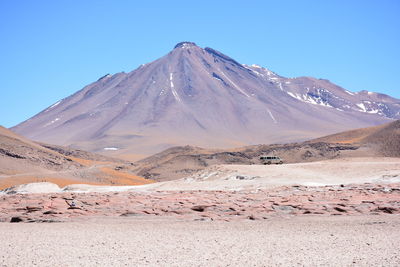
<point>131,241</point>
<point>225,215</point>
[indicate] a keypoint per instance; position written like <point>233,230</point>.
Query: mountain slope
<point>21,155</point>
<point>384,139</point>
<point>202,97</point>
<point>178,162</point>
<point>23,161</point>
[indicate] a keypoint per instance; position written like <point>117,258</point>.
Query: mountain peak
<point>202,97</point>
<point>185,45</point>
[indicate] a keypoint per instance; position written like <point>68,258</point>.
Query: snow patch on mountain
<point>311,99</point>
<point>234,84</point>
<point>54,105</point>
<point>51,122</point>
<point>176,96</point>
<point>272,116</point>
<point>110,148</point>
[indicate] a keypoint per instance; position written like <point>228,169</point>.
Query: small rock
<point>50,212</point>
<point>340,209</point>
<point>147,211</point>
<point>16,219</point>
<point>129,214</point>
<point>251,217</point>
<point>74,208</point>
<point>199,208</point>
<point>368,201</point>
<point>32,209</point>
<point>389,210</point>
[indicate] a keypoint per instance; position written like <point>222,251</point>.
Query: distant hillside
<point>19,154</point>
<point>178,162</point>
<point>384,139</point>
<point>81,154</point>
<point>24,161</point>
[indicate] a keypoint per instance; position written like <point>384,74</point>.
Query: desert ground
<point>286,241</point>
<point>353,186</point>
<point>342,212</point>
<point>321,173</point>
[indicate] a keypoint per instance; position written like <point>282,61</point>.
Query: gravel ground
<point>291,241</point>
<point>320,173</point>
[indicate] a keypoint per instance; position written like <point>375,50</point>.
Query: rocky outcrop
<point>353,199</point>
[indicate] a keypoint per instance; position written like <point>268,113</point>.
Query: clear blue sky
<point>51,49</point>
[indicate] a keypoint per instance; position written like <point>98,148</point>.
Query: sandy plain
<point>319,173</point>
<point>285,241</point>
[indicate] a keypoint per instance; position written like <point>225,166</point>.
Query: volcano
<point>201,97</point>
